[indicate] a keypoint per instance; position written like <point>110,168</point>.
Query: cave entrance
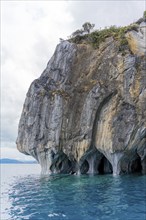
<point>104,166</point>
<point>60,166</point>
<point>143,163</point>
<point>136,166</point>
<point>131,164</point>
<point>61,163</point>
<point>84,167</point>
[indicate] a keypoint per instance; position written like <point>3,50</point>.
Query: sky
<point>30,31</point>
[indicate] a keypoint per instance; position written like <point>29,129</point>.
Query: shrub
<point>87,27</point>
<point>97,37</point>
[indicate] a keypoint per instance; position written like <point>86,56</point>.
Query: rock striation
<point>86,113</point>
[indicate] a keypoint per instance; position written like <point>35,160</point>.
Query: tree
<point>87,27</point>
<point>77,32</point>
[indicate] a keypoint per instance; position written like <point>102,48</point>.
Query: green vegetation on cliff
<point>97,37</point>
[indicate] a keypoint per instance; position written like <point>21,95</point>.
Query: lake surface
<point>25,194</point>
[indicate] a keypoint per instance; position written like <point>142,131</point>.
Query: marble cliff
<point>86,113</point>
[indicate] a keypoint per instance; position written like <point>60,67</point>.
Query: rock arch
<point>61,163</point>
<point>104,166</point>
<point>84,168</point>
<point>131,163</point>
<point>89,161</point>
<point>136,165</point>
<point>94,162</point>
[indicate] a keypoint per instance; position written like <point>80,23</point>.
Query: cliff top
<point>96,37</point>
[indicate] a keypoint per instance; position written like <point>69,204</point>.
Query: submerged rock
<point>86,113</point>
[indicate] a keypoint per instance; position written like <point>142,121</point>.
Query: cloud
<point>30,31</point>
<point>106,13</point>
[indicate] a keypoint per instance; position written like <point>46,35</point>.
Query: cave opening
<point>84,167</point>
<point>60,166</point>
<point>61,163</point>
<point>104,166</point>
<point>131,164</point>
<point>65,166</point>
<point>143,163</point>
<point>136,166</point>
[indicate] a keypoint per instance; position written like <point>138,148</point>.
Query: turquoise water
<point>27,195</point>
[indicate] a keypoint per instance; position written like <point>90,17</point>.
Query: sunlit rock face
<point>87,111</point>
<point>137,39</point>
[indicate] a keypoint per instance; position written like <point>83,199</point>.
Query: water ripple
<point>75,198</point>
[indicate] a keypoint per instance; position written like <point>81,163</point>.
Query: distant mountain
<point>13,161</point>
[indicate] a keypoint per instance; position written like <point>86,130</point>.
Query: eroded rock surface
<point>137,40</point>
<point>87,111</point>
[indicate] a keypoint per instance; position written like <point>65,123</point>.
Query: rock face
<point>87,111</point>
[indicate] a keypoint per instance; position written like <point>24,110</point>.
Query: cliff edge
<point>86,113</point>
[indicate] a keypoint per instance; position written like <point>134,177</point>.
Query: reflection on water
<point>75,198</point>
